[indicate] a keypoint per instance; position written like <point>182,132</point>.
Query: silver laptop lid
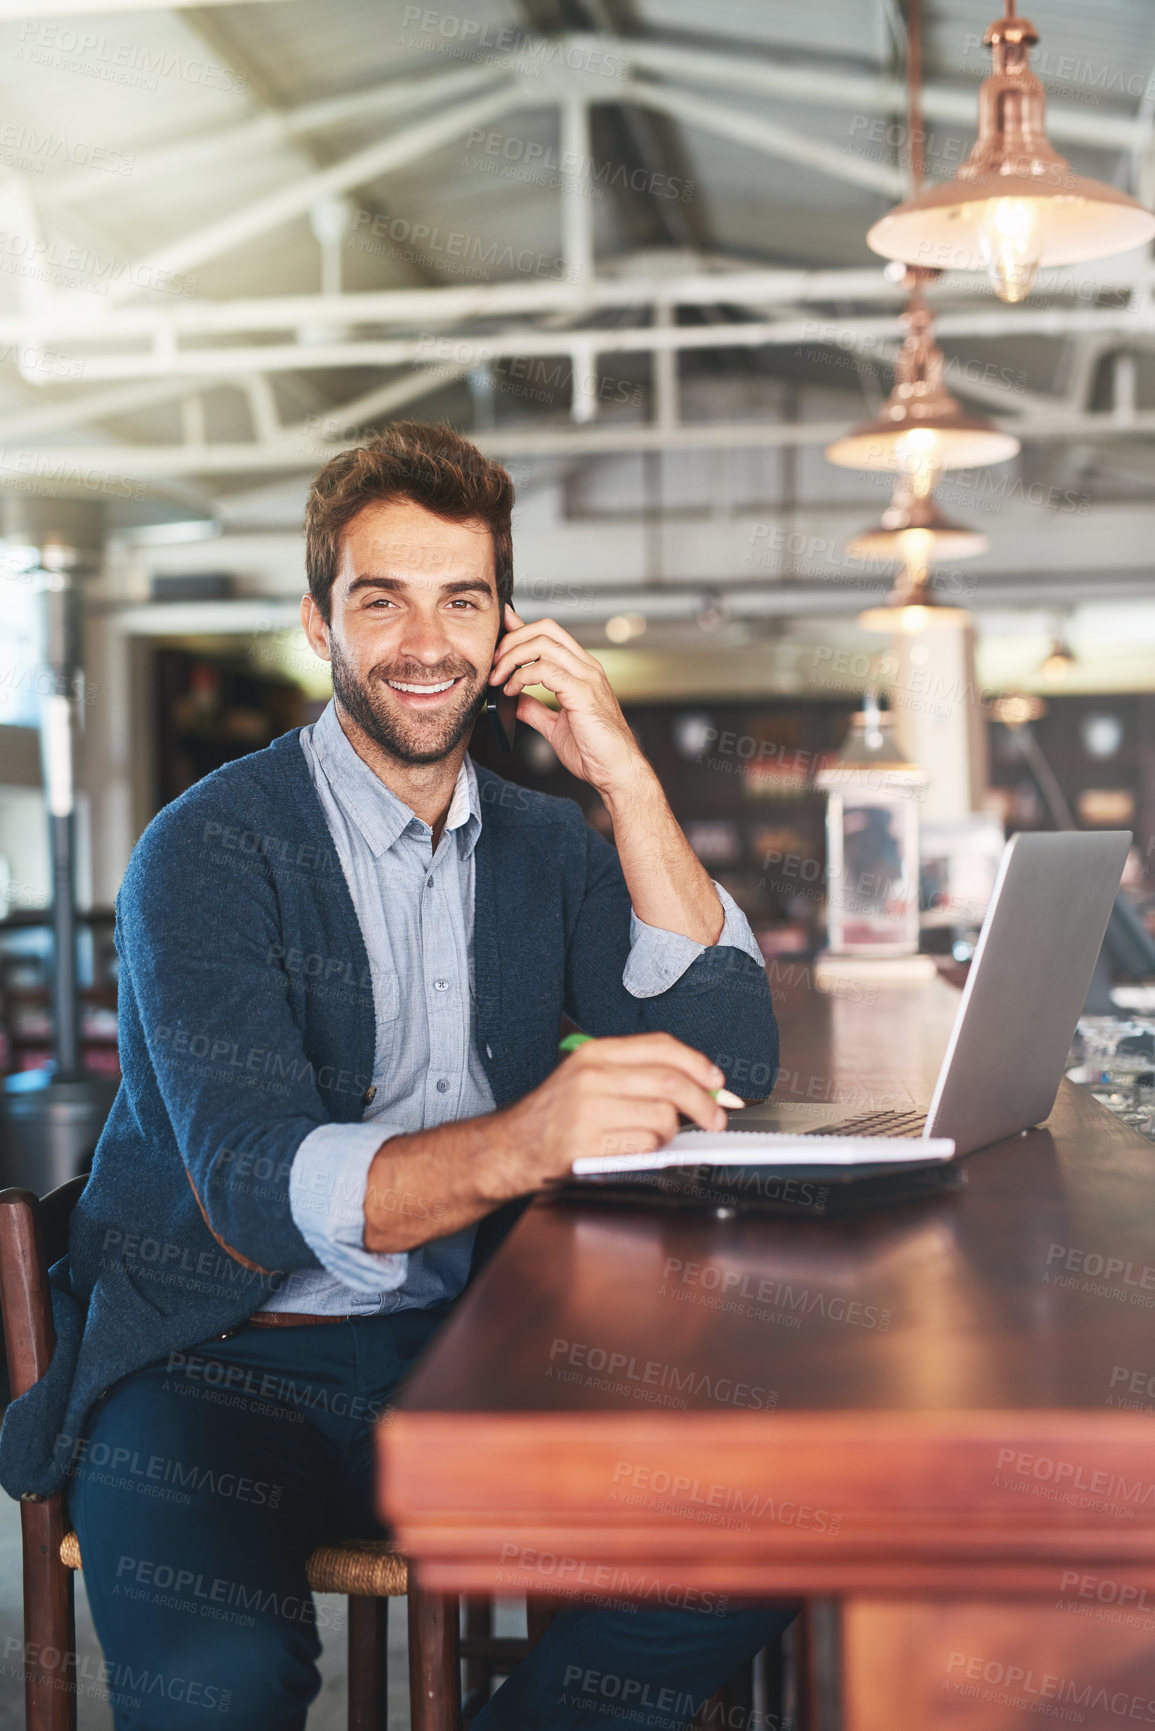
<point>1027,984</point>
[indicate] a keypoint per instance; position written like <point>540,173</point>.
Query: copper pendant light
<point>921,429</point>
<point>910,609</point>
<point>1059,659</point>
<point>913,531</point>
<point>1015,203</point>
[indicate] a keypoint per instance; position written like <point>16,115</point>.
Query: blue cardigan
<point>246,1020</point>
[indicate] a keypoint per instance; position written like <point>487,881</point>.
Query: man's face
<point>413,624</point>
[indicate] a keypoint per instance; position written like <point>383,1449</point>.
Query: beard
<point>418,739</point>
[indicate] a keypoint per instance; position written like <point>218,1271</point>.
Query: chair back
<point>33,1235</point>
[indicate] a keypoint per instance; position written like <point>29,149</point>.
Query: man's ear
<point>315,629</point>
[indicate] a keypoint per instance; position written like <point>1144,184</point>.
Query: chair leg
<point>805,1670</point>
<point>773,1662</point>
<point>368,1663</point>
<point>434,1669</point>
<point>478,1672</point>
<point>49,1620</point>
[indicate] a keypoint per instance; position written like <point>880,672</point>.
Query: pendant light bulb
<point>1011,241</point>
<point>917,547</point>
<point>918,456</point>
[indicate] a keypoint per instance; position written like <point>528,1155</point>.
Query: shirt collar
<point>379,814</point>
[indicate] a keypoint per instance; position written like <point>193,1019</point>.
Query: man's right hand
<point>610,1096</point>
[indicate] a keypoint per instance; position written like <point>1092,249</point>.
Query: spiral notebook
<point>770,1148</point>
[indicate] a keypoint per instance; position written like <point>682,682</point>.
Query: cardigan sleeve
<point>221,1046</point>
<point>327,1196</point>
<point>658,958</point>
<point>719,1003</point>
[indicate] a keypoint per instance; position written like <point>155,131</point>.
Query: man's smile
<point>423,694</point>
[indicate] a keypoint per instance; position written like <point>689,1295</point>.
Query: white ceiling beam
<point>853,93</point>
<point>450,305</point>
<point>341,418</point>
<point>479,349</point>
<point>664,378</point>
<point>774,597</point>
<point>577,207</point>
<point>267,424</point>
<point>422,307</point>
<point>63,463</point>
<point>193,424</point>
<point>757,133</point>
<point>243,226</point>
<point>47,418</point>
<point>154,461</point>
<point>382,102</point>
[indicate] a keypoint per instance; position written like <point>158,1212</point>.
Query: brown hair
<point>429,465</point>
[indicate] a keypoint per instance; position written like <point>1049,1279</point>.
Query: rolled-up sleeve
<point>658,959</point>
<point>327,1202</point>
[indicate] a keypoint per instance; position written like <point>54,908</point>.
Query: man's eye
<point>462,602</point>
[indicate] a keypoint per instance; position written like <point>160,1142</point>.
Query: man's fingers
<point>566,683</point>
<point>630,1142</point>
<point>663,1082</point>
<point>638,1116</point>
<point>543,634</point>
<point>537,714</point>
<point>534,653</point>
<point>655,1049</point>
<point>551,629</point>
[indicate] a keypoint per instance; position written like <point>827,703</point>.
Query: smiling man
<point>344,962</point>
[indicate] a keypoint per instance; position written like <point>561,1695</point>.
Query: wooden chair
<point>33,1236</point>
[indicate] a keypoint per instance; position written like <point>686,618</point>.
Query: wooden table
<point>943,1414</point>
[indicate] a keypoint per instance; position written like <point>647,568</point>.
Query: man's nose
<point>425,638</point>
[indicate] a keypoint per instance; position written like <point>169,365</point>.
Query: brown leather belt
<point>290,1318</point>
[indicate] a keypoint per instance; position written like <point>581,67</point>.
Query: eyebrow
<point>461,586</point>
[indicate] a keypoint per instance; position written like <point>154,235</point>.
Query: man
<point>344,961</point>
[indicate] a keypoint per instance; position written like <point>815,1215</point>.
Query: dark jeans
<point>204,1482</point>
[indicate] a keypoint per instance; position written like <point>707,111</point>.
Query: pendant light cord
<point>916,140</point>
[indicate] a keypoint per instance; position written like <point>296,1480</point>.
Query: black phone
<point>501,710</point>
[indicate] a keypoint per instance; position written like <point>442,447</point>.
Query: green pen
<point>722,1095</point>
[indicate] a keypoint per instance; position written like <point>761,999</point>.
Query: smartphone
<point>501,710</point>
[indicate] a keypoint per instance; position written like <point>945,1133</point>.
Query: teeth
<point>421,690</point>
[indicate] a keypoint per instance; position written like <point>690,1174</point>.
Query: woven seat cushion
<point>367,1567</point>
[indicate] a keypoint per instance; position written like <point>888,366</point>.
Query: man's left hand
<point>588,732</point>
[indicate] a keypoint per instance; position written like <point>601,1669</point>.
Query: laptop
<point>1026,987</point>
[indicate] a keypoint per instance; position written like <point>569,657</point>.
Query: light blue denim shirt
<point>415,910</point>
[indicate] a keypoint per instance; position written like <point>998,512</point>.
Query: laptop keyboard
<point>900,1124</point>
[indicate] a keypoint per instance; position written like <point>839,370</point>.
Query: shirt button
<point>429,883</point>
<point>441,985</point>
<point>442,1085</point>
